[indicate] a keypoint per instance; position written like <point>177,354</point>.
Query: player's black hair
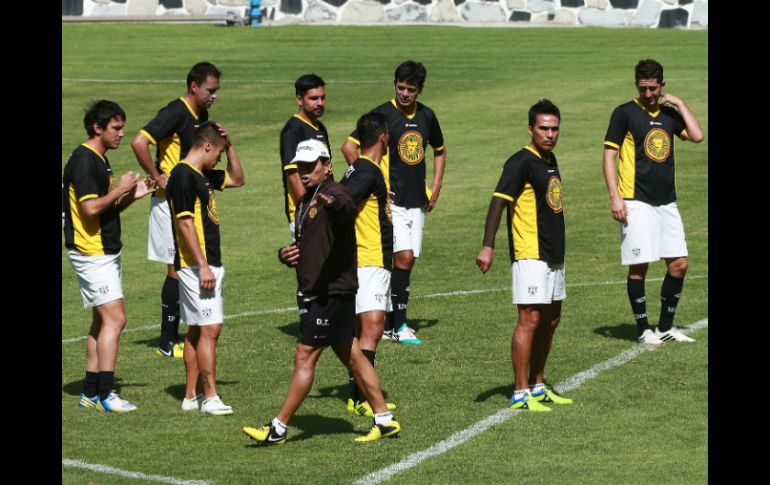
<point>649,69</point>
<point>411,72</point>
<point>200,72</point>
<point>369,128</point>
<point>101,112</point>
<point>206,131</point>
<point>307,82</point>
<point>543,107</point>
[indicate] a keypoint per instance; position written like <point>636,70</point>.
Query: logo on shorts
<point>657,145</point>
<point>410,147</point>
<point>212,208</point>
<point>636,251</point>
<point>553,194</point>
<point>532,290</point>
<point>206,312</point>
<point>171,252</point>
<point>379,297</point>
<point>321,322</point>
<point>103,290</point>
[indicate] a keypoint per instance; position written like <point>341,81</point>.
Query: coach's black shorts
<point>329,320</point>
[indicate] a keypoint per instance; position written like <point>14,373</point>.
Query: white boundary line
<point>430,295</point>
<point>505,414</point>
<point>123,473</point>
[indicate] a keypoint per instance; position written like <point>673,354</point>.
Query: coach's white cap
<point>310,151</point>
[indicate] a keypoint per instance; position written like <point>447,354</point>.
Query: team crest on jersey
<point>313,212</point>
<point>212,208</point>
<point>657,145</point>
<point>410,147</point>
<point>553,194</point>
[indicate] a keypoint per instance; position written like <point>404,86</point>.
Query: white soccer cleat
<point>673,335</point>
<point>193,404</point>
<point>405,335</point>
<point>649,338</point>
<point>215,406</point>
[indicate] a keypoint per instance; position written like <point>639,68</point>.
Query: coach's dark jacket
<point>327,243</point>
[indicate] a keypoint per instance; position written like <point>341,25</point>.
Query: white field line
<point>503,415</point>
<point>123,473</point>
<point>430,295</point>
<point>289,82</point>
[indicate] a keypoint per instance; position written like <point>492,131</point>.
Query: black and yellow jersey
<point>532,187</point>
<point>404,164</point>
<point>87,175</point>
<point>190,193</point>
<point>297,130</point>
<point>171,131</point>
<point>646,145</point>
<point>374,223</point>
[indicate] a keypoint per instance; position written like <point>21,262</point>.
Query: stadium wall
<point>537,13</point>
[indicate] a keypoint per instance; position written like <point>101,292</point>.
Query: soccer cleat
<point>529,403</point>
<point>88,402</point>
<point>649,338</point>
<point>673,335</point>
<point>405,335</point>
<point>387,335</point>
<point>364,409</point>
<point>265,435</point>
<point>215,406</point>
<point>114,404</point>
<point>176,351</point>
<point>351,406</point>
<point>193,404</point>
<point>380,431</point>
<point>548,396</point>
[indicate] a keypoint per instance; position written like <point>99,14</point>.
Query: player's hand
<point>161,181</point>
<point>391,196</point>
<point>128,181</point>
<point>326,199</point>
<point>225,135</point>
<point>433,199</point>
<point>619,210</point>
<point>289,255</point>
<point>143,188</point>
<point>207,278</point>
<point>669,99</point>
<point>484,259</point>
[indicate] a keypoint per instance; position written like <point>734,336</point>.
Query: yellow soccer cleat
<point>265,435</point>
<point>548,396</point>
<point>380,431</point>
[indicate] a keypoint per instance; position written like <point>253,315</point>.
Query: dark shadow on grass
<point>337,392</point>
<point>178,390</point>
<point>291,328</point>
<point>621,331</point>
<point>506,391</point>
<point>313,425</point>
<point>74,388</point>
<point>420,323</point>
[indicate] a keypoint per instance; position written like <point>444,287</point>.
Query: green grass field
<point>645,422</point>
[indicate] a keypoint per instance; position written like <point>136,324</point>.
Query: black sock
<point>169,324</point>
<point>370,356</point>
<point>106,384</point>
<point>669,298</point>
<point>389,320</point>
<point>353,392</point>
<point>399,295</point>
<point>90,383</point>
<point>638,304</point>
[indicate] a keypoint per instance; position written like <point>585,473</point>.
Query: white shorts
<point>160,241</point>
<point>536,282</point>
<point>100,277</point>
<point>373,289</point>
<point>652,233</point>
<point>408,225</point>
<point>198,307</point>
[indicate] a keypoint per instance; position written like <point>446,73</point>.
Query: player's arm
<point>142,188</point>
<point>141,147</point>
<point>617,204</point>
<point>439,162</point>
<point>289,142</point>
<point>235,177</point>
<point>350,150</point>
<point>189,237</point>
<point>694,132</point>
<point>339,205</point>
<point>494,214</point>
<point>92,206</point>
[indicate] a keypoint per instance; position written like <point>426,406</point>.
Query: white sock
<point>520,394</point>
<point>383,418</point>
<point>279,426</point>
<point>537,388</point>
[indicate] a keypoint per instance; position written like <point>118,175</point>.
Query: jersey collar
<point>653,114</point>
<point>546,160</point>
<point>296,115</point>
<point>93,150</point>
<point>192,111</point>
<point>408,116</point>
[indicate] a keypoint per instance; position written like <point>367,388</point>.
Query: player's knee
<point>678,268</point>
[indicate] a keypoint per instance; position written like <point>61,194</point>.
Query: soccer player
<point>530,188</point>
<point>198,262</point>
<point>374,244</point>
<point>643,197</point>
<point>412,126</point>
<point>310,91</point>
<point>171,131</point>
<point>324,256</point>
<point>92,202</point>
